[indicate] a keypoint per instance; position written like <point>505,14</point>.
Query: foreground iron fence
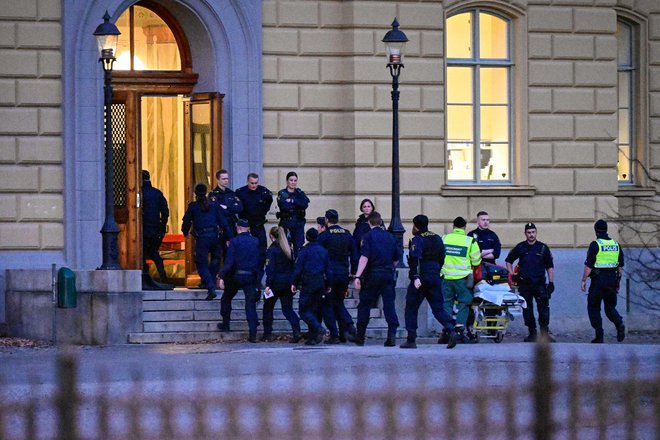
<point>423,401</point>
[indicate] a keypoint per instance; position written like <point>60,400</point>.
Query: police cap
<point>242,223</point>
<point>600,226</point>
<point>529,225</point>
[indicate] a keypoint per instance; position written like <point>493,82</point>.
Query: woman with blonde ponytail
<point>279,268</point>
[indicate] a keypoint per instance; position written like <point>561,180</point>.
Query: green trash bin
<point>66,289</point>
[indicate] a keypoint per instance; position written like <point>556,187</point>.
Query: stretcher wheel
<point>499,337</point>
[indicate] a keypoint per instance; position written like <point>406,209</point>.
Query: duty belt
<point>244,272</point>
<point>205,230</point>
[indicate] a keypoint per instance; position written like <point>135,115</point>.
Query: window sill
<point>487,190</point>
<point>635,191</point>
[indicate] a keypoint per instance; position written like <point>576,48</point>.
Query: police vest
<point>459,255</point>
<point>608,254</point>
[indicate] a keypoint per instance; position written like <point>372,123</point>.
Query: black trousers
<point>150,245</point>
<point>538,293</point>
<point>603,289</point>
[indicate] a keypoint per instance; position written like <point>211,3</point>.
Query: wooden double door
<point>177,137</point>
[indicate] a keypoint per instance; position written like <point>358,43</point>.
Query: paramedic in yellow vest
<point>603,265</point>
<point>461,254</point>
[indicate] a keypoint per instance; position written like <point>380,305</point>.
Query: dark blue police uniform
<point>426,257</point>
<point>205,230</point>
<point>341,251</point>
<point>239,271</point>
<point>256,205</point>
<point>279,271</point>
<point>292,207</point>
<point>310,273</point>
<point>487,239</point>
<point>535,259</point>
<point>380,248</point>
<point>361,228</point>
<point>155,214</point>
<point>228,198</point>
<point>603,288</point>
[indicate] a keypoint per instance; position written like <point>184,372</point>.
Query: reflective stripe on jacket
<point>608,254</point>
<point>461,253</point>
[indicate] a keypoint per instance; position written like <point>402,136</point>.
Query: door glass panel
<point>201,143</point>
<point>163,151</point>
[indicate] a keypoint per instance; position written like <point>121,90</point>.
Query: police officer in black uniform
<point>426,257</point>
<point>341,249</point>
<point>225,198</point>
<point>603,265</point>
<point>490,246</point>
<point>535,260</point>
<point>378,259</point>
<point>239,271</point>
<point>311,273</point>
<point>292,202</point>
<point>155,214</point>
<point>204,219</point>
<point>256,201</point>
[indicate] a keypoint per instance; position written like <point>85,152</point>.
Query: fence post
<point>66,400</point>
<point>542,390</point>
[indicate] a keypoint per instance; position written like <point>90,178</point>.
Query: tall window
<point>478,98</point>
<point>146,42</point>
<point>626,86</point>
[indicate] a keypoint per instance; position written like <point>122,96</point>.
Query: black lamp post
<point>106,38</point>
<point>395,41</point>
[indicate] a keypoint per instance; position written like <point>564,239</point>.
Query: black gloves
<point>550,288</point>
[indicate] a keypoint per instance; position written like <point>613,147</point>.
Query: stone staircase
<point>184,316</point>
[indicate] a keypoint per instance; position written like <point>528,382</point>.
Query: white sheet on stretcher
<point>497,294</point>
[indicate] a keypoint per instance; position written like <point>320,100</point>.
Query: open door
<point>203,147</point>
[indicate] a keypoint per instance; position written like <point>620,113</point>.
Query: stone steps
<point>184,316</point>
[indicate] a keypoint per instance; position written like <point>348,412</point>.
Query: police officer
<point>488,241</point>
<point>204,219</point>
<point>378,259</point>
<point>490,246</point>
<point>155,214</point>
<point>603,265</point>
<point>311,273</point>
<point>426,257</point>
<point>224,197</point>
<point>461,254</point>
<point>535,259</point>
<point>339,243</point>
<point>256,201</point>
<point>292,202</point>
<point>239,271</point>
<point>279,269</point>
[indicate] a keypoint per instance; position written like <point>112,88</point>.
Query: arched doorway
<point>160,125</point>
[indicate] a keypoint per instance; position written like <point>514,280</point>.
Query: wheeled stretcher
<point>495,303</point>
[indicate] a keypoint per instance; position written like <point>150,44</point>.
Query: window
<point>626,87</point>
<point>146,42</point>
<point>478,100</point>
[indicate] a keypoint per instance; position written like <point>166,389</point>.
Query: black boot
<point>267,337</point>
<point>410,340</point>
<point>295,337</point>
<point>349,335</point>
<point>332,340</point>
<point>453,339</point>
<point>599,337</point>
<point>360,334</point>
<point>252,337</point>
<point>444,337</point>
<point>223,326</point>
<point>531,337</point>
<point>621,332</point>
<point>391,338</point>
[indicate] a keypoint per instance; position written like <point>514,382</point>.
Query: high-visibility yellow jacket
<point>461,253</point>
<point>608,254</point>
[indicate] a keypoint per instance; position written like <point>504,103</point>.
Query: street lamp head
<point>395,42</point>
<point>106,35</point>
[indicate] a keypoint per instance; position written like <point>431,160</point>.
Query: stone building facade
<point>307,89</point>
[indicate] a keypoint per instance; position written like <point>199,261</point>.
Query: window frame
<point>633,70</point>
<point>476,64</point>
